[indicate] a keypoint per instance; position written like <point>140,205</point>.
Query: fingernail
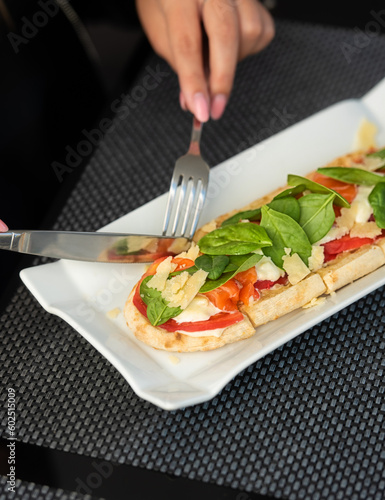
<point>218,106</point>
<point>3,227</point>
<point>201,107</point>
<point>182,101</point>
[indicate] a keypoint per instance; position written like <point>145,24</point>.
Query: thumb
<point>3,227</point>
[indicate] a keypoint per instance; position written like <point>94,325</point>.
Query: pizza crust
<point>349,266</point>
<point>177,341</point>
<point>281,300</point>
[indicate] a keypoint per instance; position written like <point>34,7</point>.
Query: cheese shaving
<point>114,313</point>
<point>316,301</point>
<point>317,257</point>
<point>366,135</point>
<point>365,230</point>
<point>158,281</point>
<point>192,253</point>
<point>180,290</point>
<point>296,269</point>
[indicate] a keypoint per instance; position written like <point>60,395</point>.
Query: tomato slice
<point>334,247</point>
<point>348,191</point>
<point>220,320</point>
<point>267,284</point>
<point>182,263</point>
<point>225,297</point>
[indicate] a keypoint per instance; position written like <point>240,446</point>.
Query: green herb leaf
<point>291,191</point>
<point>212,264</point>
<point>288,205</point>
<point>377,201</point>
<point>235,239</point>
<point>377,154</point>
<point>158,310</point>
<point>284,232</point>
<point>237,264</point>
<point>245,215</point>
<point>317,215</point>
<point>314,187</point>
<point>352,175</point>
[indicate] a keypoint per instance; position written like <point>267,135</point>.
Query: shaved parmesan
<point>316,301</point>
<point>296,269</point>
<point>178,245</point>
<point>317,258</point>
<point>158,281</point>
<point>210,226</point>
<point>192,253</point>
<point>365,230</point>
<point>180,290</point>
<point>366,135</point>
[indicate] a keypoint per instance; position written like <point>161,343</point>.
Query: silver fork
<point>188,189</point>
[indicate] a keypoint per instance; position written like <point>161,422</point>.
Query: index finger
<point>220,18</point>
<point>185,35</point>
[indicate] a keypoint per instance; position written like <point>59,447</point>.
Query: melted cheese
<point>205,333</point>
<point>199,309</point>
<point>267,270</point>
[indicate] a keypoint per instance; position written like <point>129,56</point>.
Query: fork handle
<point>195,137</point>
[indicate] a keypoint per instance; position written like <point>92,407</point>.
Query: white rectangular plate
<point>88,291</point>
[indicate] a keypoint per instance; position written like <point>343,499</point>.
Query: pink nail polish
<point>201,107</point>
<point>218,106</point>
<point>182,101</point>
<point>3,227</point>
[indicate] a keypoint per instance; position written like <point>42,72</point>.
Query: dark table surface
<point>306,421</point>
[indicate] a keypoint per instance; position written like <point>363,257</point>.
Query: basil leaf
<point>377,154</point>
<point>352,175</point>
<point>314,187</point>
<point>317,215</point>
<point>246,215</point>
<point>284,232</point>
<point>212,264</point>
<point>158,310</point>
<point>292,191</point>
<point>377,201</point>
<point>234,239</point>
<point>288,205</point>
<point>236,261</point>
<point>244,262</point>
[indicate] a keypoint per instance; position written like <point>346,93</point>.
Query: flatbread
<point>177,341</point>
<point>275,302</point>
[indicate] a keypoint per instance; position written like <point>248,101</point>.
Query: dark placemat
<point>306,421</point>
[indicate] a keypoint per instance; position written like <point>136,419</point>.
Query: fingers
<point>185,37</point>
<point>256,27</point>
<point>3,227</point>
<point>220,18</point>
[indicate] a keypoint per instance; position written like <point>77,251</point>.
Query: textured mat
<point>306,421</point>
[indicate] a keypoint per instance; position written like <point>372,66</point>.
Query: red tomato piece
<point>334,247</point>
<point>348,191</point>
<point>220,320</point>
<point>266,284</point>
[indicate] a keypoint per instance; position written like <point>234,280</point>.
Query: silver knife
<point>93,247</point>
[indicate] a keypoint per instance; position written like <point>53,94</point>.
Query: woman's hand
<point>235,29</point>
<point>3,227</point>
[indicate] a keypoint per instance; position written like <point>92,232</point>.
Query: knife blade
<point>92,246</point>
